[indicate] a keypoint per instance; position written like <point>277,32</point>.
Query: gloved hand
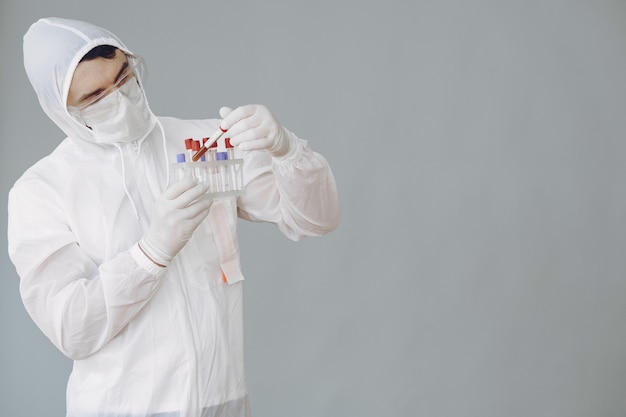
<point>254,127</point>
<point>176,214</point>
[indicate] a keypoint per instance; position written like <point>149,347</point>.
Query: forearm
<point>308,192</point>
<point>297,192</point>
<point>81,307</point>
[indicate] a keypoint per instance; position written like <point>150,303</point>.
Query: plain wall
<point>479,149</point>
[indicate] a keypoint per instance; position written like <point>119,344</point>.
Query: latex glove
<point>254,127</point>
<point>176,214</point>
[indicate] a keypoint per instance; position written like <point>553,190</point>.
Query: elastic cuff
<point>293,141</point>
<point>144,261</point>
<point>153,253</point>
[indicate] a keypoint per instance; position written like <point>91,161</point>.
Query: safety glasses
<point>133,66</point>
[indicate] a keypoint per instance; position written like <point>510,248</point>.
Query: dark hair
<point>102,51</point>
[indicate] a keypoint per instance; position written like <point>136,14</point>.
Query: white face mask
<point>120,117</point>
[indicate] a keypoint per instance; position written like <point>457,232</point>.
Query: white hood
<point>53,47</point>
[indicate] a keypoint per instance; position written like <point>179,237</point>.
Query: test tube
<point>213,152</point>
<point>198,169</point>
<point>180,170</point>
<point>211,170</point>
<point>222,155</point>
<point>188,146</point>
<point>203,142</point>
<point>232,168</point>
<point>230,150</point>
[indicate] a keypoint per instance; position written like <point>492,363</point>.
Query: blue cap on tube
<point>180,157</point>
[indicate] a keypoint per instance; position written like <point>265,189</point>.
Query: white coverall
<point>143,343</point>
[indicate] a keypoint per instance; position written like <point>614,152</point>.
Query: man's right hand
<point>176,214</point>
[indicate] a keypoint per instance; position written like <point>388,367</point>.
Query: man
<point>133,276</point>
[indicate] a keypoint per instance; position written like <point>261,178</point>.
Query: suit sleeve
<point>79,305</point>
<point>296,192</point>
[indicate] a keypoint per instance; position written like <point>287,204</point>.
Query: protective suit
<point>146,341</point>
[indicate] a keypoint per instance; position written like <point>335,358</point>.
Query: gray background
<point>479,151</point>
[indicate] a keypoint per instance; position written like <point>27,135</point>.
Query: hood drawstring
<point>167,159</point>
<point>126,191</point>
<point>167,169</point>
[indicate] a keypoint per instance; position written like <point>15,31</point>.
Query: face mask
<point>120,117</point>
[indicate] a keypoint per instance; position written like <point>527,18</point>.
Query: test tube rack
<point>223,177</point>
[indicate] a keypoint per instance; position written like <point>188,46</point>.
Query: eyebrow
<point>99,90</point>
